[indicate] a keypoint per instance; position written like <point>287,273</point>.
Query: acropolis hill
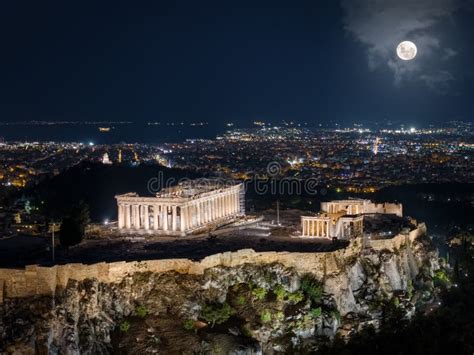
<point>79,308</point>
<point>36,280</point>
<point>98,298</point>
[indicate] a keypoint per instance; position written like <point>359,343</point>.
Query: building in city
<point>105,159</point>
<point>344,219</point>
<point>181,209</point>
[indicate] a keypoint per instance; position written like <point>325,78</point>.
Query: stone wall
<point>399,240</point>
<point>39,280</point>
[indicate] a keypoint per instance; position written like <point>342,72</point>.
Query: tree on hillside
<point>74,224</point>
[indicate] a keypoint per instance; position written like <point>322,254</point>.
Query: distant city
<point>354,159</point>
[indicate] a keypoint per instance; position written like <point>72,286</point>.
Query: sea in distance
<point>108,133</point>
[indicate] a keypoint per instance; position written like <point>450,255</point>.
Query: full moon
<point>406,50</point>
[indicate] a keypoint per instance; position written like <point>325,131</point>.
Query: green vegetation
<point>124,326</point>
<point>188,324</point>
<point>295,297</point>
<point>279,316</point>
<point>410,289</point>
<point>217,313</point>
<point>444,328</point>
<point>141,311</point>
<point>315,312</point>
<point>241,300</point>
<point>280,292</point>
<point>441,278</point>
<point>265,316</point>
<point>336,315</point>
<point>312,287</point>
<point>259,293</point>
<point>283,295</point>
<point>246,332</point>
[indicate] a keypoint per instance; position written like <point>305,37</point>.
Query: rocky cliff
<point>243,302</point>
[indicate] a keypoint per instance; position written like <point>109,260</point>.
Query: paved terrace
<point>261,237</point>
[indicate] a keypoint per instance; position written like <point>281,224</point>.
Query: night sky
<point>308,61</point>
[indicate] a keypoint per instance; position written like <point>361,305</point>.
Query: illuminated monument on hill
<point>344,219</point>
<point>182,209</point>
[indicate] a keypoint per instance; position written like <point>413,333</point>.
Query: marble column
<point>127,216</point>
<point>146,216</point>
<point>165,217</point>
<point>189,221</point>
<point>211,212</point>
<point>189,217</point>
<point>174,222</point>
<point>184,217</point>
<point>120,216</point>
<point>136,216</point>
<point>205,211</point>
<point>224,202</point>
<point>202,207</point>
<point>212,209</point>
<point>234,202</point>
<point>327,229</point>
<point>181,219</point>
<point>222,207</point>
<point>198,212</point>
<point>155,217</point>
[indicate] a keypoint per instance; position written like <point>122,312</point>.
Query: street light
<point>52,241</point>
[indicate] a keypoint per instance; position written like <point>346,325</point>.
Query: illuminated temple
<point>181,209</point>
<point>344,219</point>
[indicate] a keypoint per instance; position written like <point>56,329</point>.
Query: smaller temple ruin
<point>344,219</point>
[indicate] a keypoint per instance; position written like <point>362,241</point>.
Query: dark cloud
<point>439,81</point>
<point>382,24</point>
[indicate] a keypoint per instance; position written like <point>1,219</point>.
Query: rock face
<point>249,308</point>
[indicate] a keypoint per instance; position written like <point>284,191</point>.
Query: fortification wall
<point>39,280</point>
<point>399,240</point>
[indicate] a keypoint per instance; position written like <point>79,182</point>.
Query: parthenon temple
<point>181,209</point>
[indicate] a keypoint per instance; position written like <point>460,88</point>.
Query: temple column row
<point>138,216</point>
<point>315,228</point>
<point>175,217</point>
<point>208,210</point>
